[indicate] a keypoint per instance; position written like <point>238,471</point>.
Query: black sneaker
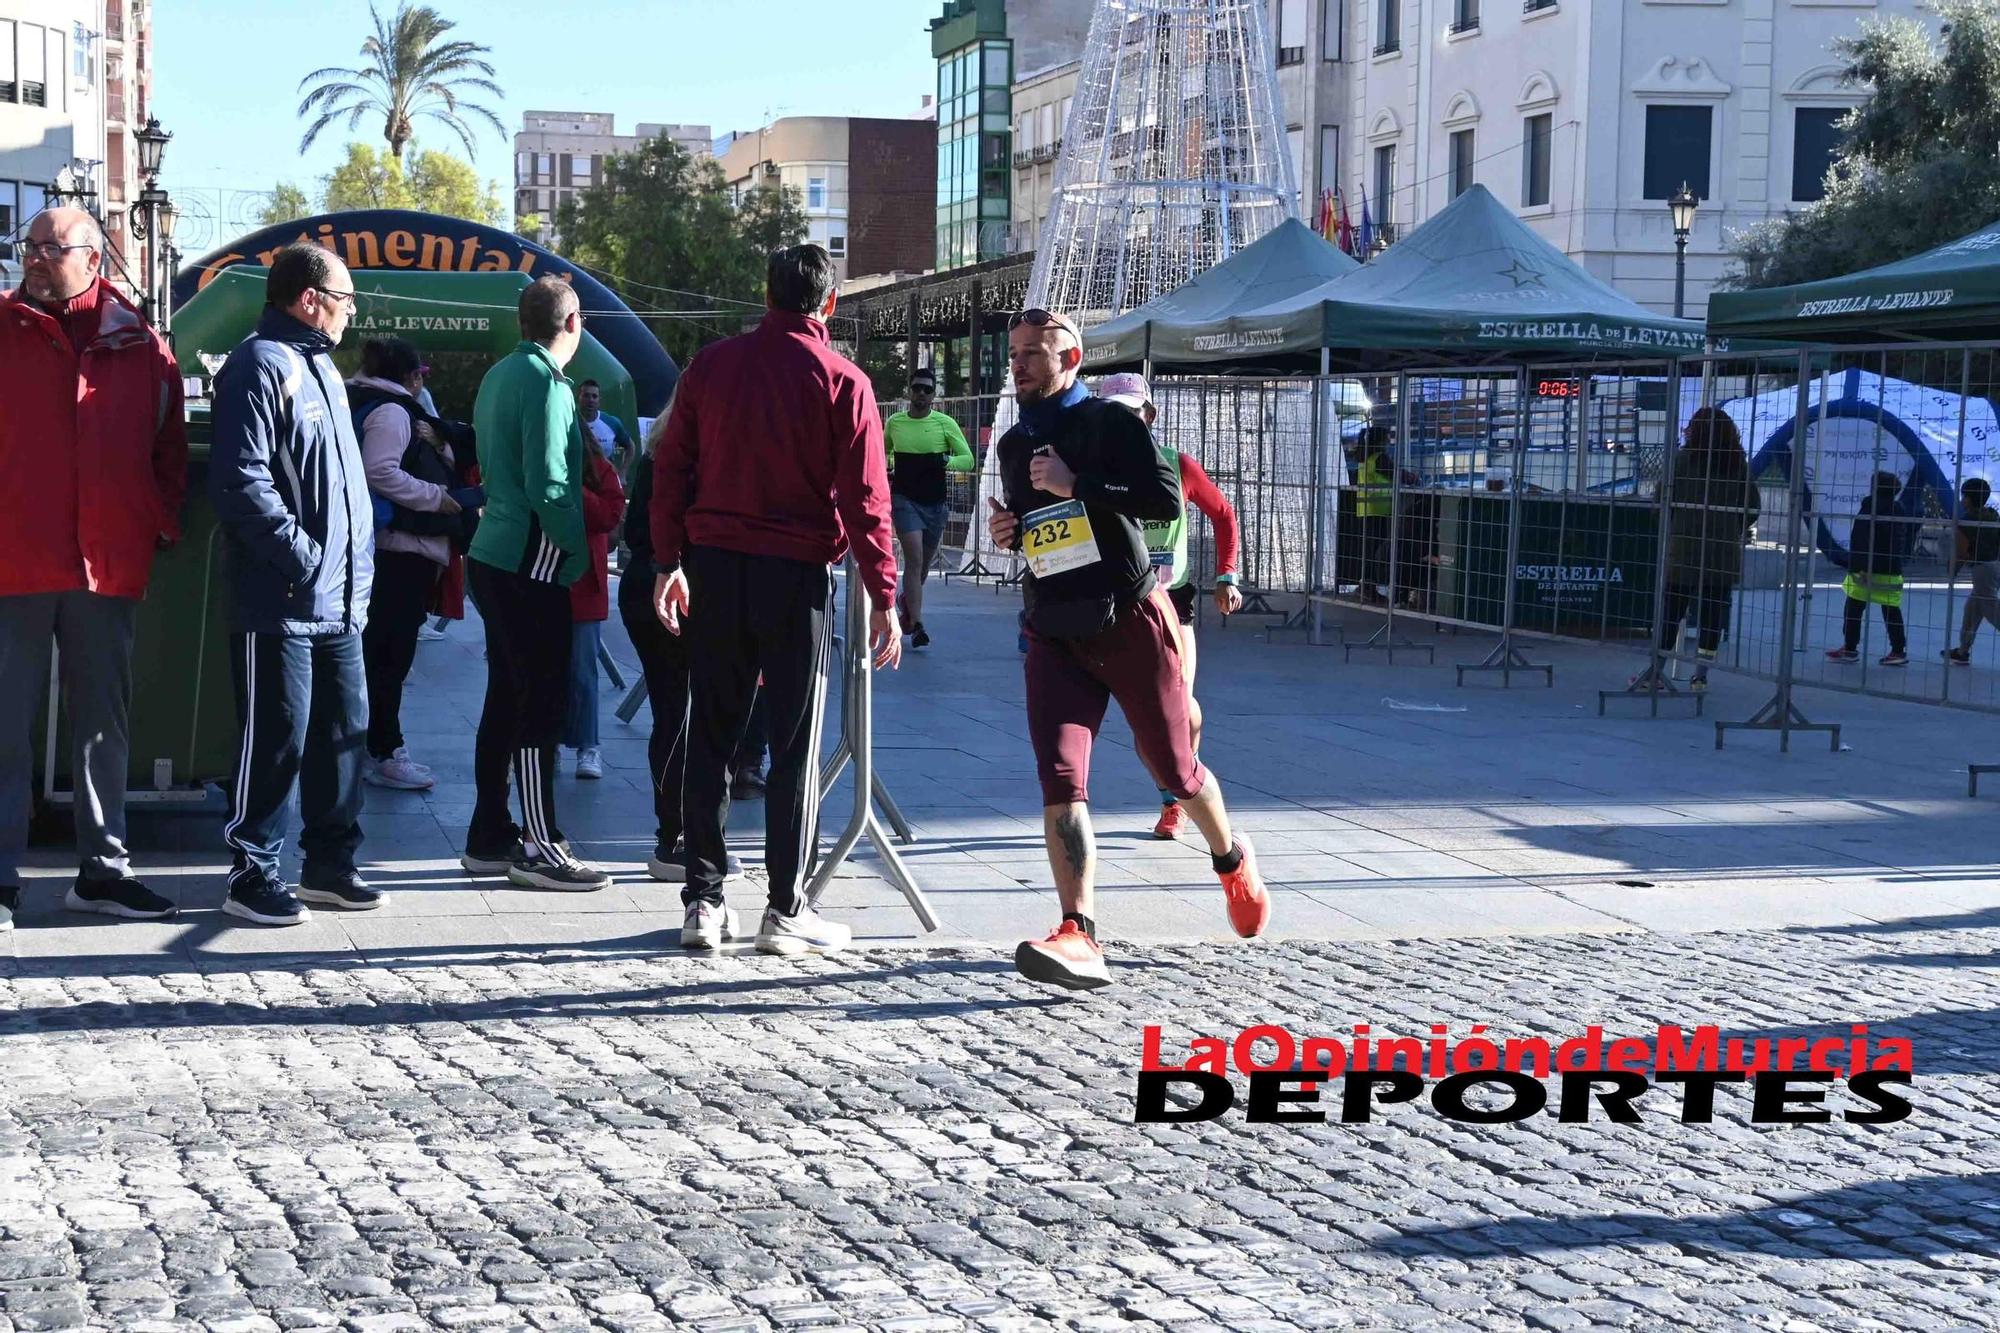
<point>1895,657</point>
<point>1958,656</point>
<point>565,876</point>
<point>10,903</point>
<point>128,897</point>
<point>666,866</point>
<point>920,639</point>
<point>265,903</point>
<point>492,860</point>
<point>344,889</point>
<point>748,786</point>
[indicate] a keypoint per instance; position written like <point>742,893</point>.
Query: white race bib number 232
<point>1058,539</point>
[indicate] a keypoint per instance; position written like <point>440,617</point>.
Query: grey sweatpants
<point>94,637</point>
<point>1982,604</point>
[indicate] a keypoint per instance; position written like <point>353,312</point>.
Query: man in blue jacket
<point>291,492</point>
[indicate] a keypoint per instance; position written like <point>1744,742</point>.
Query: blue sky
<point>227,71</point>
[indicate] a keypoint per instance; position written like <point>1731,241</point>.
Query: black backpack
<point>421,460</point>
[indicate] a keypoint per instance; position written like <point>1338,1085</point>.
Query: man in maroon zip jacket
<point>771,465</point>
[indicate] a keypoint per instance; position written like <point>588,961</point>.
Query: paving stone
<point>919,1140</point>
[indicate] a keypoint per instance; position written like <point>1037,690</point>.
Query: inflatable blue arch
<point>394,238</point>
<point>1860,423</point>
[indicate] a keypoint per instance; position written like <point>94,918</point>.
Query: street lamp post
<point>1682,206</point>
<point>152,219</point>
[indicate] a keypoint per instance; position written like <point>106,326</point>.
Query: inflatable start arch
<point>394,239</point>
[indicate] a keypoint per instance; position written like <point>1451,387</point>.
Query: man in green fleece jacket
<point>529,548</point>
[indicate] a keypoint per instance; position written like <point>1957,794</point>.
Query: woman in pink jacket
<point>590,607</point>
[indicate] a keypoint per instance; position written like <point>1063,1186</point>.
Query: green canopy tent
<point>1287,260</point>
<point>466,316</point>
<point>1950,292</point>
<point>1475,285</point>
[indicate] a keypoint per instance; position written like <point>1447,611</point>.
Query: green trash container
<point>183,722</point>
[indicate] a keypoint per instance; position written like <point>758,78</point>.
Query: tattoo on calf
<point>1075,836</point>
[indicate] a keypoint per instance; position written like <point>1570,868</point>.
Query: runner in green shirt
<point>923,446</point>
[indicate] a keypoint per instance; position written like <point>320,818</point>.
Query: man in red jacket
<point>94,449</point>
<point>770,466</point>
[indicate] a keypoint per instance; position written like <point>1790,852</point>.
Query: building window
<point>1537,133</point>
<point>1816,137</point>
<point>1461,162</point>
<point>1049,130</point>
<point>1464,15</point>
<point>1677,149</point>
<point>1385,179</point>
<point>816,192</point>
<point>80,67</point>
<point>545,168</point>
<point>1329,159</point>
<point>34,61</point>
<point>837,246</point>
<point>10,88</point>
<point>1291,32</point>
<point>1295,139</point>
<point>1332,25</point>
<point>1388,26</point>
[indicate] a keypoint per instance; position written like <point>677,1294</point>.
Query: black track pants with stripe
<point>751,614</point>
<point>304,707</point>
<point>527,685</point>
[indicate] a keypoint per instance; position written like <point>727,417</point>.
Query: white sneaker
<point>590,763</point>
<point>808,932</point>
<point>10,897</point>
<point>403,753</point>
<point>706,926</point>
<point>400,772</point>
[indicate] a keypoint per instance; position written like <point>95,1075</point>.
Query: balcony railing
<point>1467,23</point>
<point>1534,6</point>
<point>1388,46</point>
<point>1291,55</point>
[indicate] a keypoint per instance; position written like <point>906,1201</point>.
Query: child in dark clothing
<point>1877,548</point>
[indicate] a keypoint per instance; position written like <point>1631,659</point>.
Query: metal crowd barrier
<point>857,744</point>
<point>1558,504</point>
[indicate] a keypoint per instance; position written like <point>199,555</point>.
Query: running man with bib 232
<point>1080,476</point>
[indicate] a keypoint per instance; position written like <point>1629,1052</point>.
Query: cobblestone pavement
<point>920,1140</point>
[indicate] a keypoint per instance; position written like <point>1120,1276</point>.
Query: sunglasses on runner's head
<point>1039,318</point>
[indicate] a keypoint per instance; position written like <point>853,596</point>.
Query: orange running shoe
<point>1067,958</point>
<point>1172,820</point>
<point>1249,904</point>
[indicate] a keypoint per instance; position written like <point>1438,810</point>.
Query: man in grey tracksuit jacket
<point>291,492</point>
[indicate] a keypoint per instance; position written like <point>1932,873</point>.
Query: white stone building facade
<point>1585,115</point>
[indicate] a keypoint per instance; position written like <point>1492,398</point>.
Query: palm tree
<point>408,73</point>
